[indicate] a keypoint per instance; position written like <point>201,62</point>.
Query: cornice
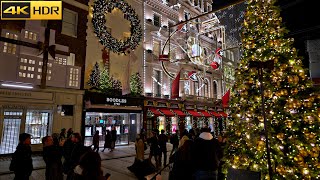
<point>163,9</point>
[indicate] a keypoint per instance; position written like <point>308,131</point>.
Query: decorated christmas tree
<point>105,82</point>
<point>136,84</point>
<point>117,87</point>
<point>291,106</point>
<point>94,80</point>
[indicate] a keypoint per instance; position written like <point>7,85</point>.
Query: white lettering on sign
<point>116,101</point>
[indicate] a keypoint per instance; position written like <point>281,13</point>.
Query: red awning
<point>179,112</point>
<point>154,111</point>
<point>215,114</point>
<point>223,114</point>
<point>206,114</point>
<point>194,113</point>
<point>166,112</point>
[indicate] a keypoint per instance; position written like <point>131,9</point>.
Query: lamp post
<point>260,66</point>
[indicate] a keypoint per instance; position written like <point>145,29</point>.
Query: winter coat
<point>206,153</point>
<point>95,140</point>
<point>22,161</point>
<point>107,141</point>
<point>114,135</point>
<point>154,145</point>
<point>52,157</point>
<point>139,149</point>
<point>71,153</point>
<point>163,139</point>
<point>78,175</point>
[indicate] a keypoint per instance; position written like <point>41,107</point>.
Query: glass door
<point>11,131</point>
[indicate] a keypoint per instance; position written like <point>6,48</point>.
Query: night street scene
<point>159,90</point>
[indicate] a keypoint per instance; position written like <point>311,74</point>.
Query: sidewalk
<point>115,163</point>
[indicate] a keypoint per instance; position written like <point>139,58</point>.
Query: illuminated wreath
<point>100,29</point>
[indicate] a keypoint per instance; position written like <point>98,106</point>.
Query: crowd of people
<point>62,154</point>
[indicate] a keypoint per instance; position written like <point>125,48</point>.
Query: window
<point>215,90</point>
<point>156,48</point>
<point>30,35</point>
<point>206,88</point>
<point>37,124</point>
<point>196,88</point>
<point>156,20</point>
<point>74,77</point>
<point>8,47</point>
<point>71,59</point>
<point>186,15</point>
<point>231,56</point>
<point>157,83</point>
<point>60,60</point>
<point>69,22</point>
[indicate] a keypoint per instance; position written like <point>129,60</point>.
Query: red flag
<point>175,87</point>
<point>225,99</point>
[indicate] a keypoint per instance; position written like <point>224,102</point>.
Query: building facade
<point>24,106</point>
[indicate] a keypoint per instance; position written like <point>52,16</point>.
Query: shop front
<point>39,113</point>
<point>102,113</point>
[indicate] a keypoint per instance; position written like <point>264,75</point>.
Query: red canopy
<point>154,111</point>
<point>206,114</point>
<point>166,112</point>
<point>179,112</point>
<point>194,113</point>
<point>215,114</point>
<point>223,114</point>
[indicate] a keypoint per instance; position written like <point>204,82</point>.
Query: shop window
<point>8,47</point>
<point>162,123</point>
<point>188,123</point>
<point>37,124</point>
<point>156,20</point>
<point>174,124</point>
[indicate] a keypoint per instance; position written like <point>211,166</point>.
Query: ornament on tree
<point>214,65</point>
<point>101,30</point>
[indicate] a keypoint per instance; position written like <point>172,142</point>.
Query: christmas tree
<point>94,80</point>
<point>136,84</point>
<point>291,106</point>
<point>117,87</point>
<point>105,82</point>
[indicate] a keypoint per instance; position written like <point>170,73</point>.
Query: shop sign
<point>25,94</point>
<point>116,101</point>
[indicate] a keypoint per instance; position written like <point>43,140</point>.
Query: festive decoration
<point>105,57</point>
<point>94,80</point>
<point>117,87</point>
<point>193,76</point>
<point>214,65</point>
<point>136,84</point>
<point>292,122</point>
<point>175,87</point>
<point>99,24</point>
<point>105,81</point>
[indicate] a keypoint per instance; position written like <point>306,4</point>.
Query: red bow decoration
<point>214,65</point>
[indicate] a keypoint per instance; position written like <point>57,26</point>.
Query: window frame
<point>76,23</point>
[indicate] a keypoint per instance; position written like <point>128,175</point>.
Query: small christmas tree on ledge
<point>105,82</point>
<point>291,105</point>
<point>136,87</point>
<point>94,80</point>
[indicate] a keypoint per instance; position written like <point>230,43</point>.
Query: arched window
<point>206,88</point>
<point>196,88</point>
<point>215,89</point>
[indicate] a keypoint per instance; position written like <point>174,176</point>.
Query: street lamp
<point>260,66</point>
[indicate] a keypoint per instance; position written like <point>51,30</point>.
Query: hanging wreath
<point>100,29</point>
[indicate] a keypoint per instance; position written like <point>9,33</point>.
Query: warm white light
<point>17,86</point>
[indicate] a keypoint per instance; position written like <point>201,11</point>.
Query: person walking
<point>154,148</point>
<point>21,163</point>
<point>107,141</point>
<point>174,140</point>
<point>206,155</point>
<point>62,134</point>
<point>163,139</point>
<point>95,141</point>
<point>52,155</point>
<point>113,138</point>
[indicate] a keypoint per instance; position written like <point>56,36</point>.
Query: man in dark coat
<point>163,139</point>
<point>21,162</point>
<point>113,138</point>
<point>206,155</point>
<point>52,155</point>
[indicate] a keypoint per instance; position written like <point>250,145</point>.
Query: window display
<point>211,125</point>
<point>162,123</point>
<point>88,131</point>
<point>100,130</point>
<point>174,124</point>
<point>189,124</point>
<point>37,125</point>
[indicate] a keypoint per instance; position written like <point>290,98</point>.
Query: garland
<point>100,29</point>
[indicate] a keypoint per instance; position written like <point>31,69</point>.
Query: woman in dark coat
<point>52,155</point>
<point>113,137</point>
<point>107,141</point>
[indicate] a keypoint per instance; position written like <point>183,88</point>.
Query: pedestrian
<point>52,155</point>
<point>62,134</point>
<point>69,132</point>
<point>113,138</point>
<point>206,155</point>
<point>73,149</point>
<point>107,141</point>
<point>21,163</point>
<point>154,147</point>
<point>89,168</point>
<point>174,140</point>
<point>184,137</point>
<point>95,141</point>
<point>163,139</point>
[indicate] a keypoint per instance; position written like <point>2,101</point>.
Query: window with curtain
<point>69,22</point>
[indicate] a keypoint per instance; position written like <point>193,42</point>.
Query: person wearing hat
<point>21,163</point>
